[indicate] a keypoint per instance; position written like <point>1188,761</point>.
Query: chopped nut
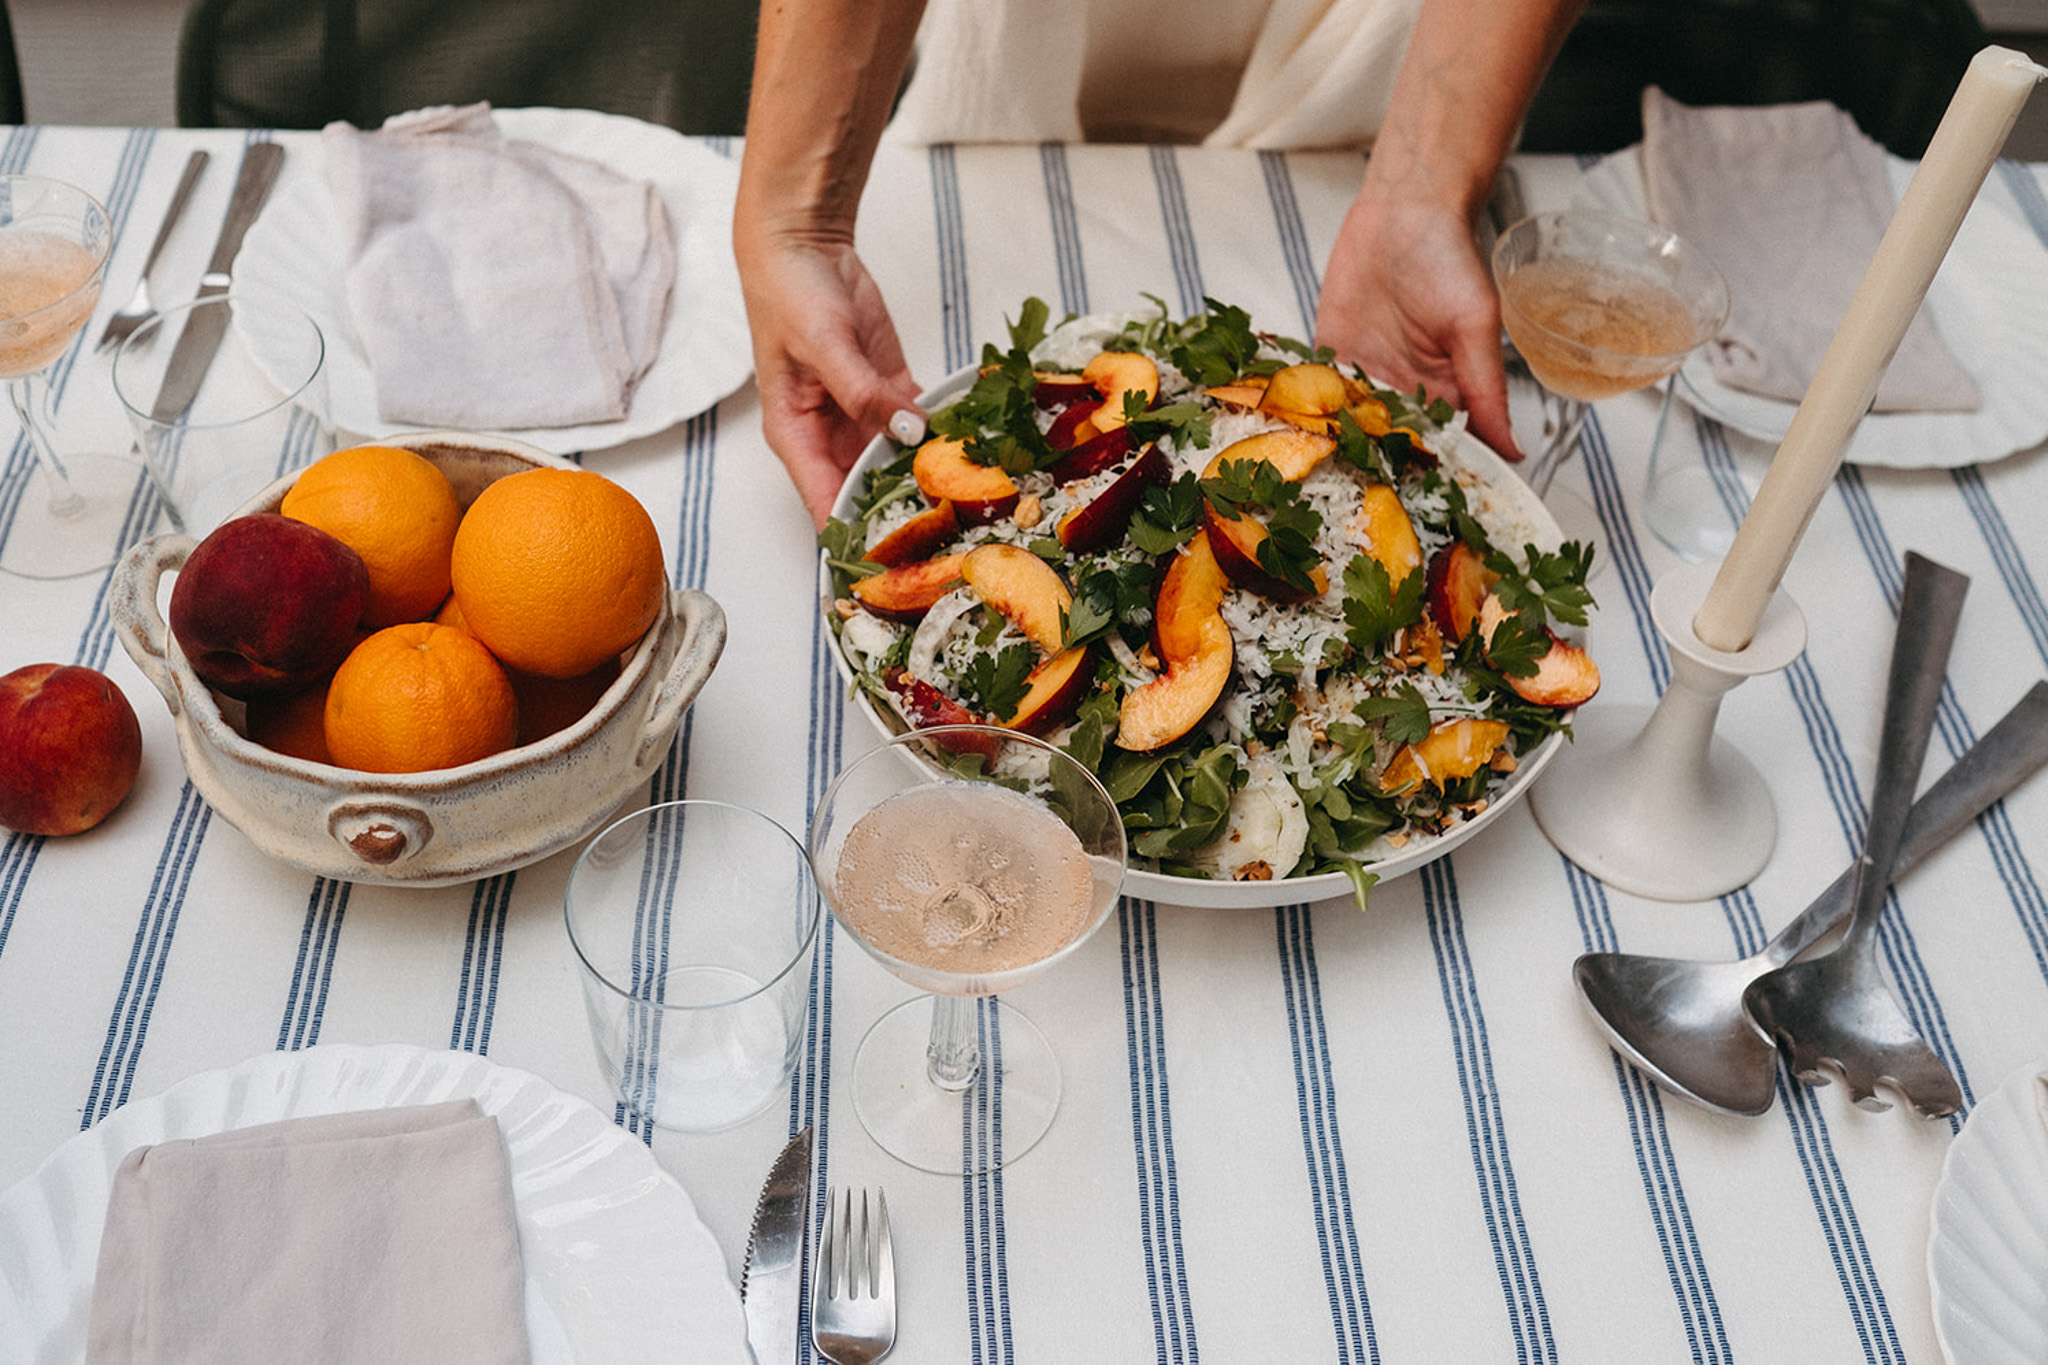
<point>1261,871</point>
<point>1148,657</point>
<point>1029,510</point>
<point>845,607</point>
<point>1396,840</point>
<point>1503,762</point>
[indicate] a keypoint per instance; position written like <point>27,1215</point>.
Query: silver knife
<point>205,328</point>
<point>772,1277</point>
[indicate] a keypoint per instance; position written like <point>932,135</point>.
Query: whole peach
<point>266,605</point>
<point>70,747</point>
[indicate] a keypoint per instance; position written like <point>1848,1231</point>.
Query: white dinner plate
<point>294,252</point>
<point>1515,503</point>
<point>1989,300</point>
<point>1987,1242</point>
<point>618,1265</point>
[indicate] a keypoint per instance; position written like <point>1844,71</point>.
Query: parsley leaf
<point>1404,712</point>
<point>1218,350</point>
<point>1288,552</point>
<point>1553,588</point>
<point>1374,607</point>
<point>1187,423</point>
<point>1167,517</point>
<point>1518,644</point>
<point>997,679</point>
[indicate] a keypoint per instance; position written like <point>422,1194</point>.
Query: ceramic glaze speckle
<point>434,828</point>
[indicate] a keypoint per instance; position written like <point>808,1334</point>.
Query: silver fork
<point>140,308</point>
<point>853,1286</point>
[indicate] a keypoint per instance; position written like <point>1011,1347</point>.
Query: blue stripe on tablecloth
<point>1159,1228</point>
<point>1066,227</point>
<point>1180,235</point>
<point>1514,1255</point>
<point>1618,544</point>
<point>313,971</point>
<point>1293,234</point>
<point>1656,1164</point>
<point>1315,1088</point>
<point>2005,554</point>
<point>18,853</point>
<point>956,319</point>
<point>128,1025</point>
<point>483,957</point>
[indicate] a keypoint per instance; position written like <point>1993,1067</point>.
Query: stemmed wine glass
<point>67,513</point>
<point>1596,305</point>
<point>965,859</point>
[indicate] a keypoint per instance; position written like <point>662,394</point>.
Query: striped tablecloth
<point>1300,1133</point>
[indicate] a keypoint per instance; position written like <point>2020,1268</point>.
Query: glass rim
<point>814,901</point>
<point>102,253</point>
<point>1663,241</point>
<point>153,328</point>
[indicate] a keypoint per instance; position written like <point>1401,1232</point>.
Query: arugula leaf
<point>1167,517</point>
<point>997,679</point>
<point>1029,328</point>
<point>1374,607</point>
<point>1404,714</point>
<point>1094,722</point>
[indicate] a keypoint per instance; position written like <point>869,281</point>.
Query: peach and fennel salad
<point>1257,595</point>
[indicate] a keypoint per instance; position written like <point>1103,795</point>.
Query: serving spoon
<point>1835,1011</point>
<point>1681,1021</point>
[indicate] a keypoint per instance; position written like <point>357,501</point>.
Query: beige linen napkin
<point>1790,201</point>
<point>384,1236</point>
<point>497,284</point>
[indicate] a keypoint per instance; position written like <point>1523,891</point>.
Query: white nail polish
<point>907,427</point>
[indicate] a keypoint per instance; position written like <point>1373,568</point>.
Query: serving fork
<point>853,1285</point>
<point>140,307</point>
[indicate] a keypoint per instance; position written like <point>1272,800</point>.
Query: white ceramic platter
<point>1508,501</point>
<point>618,1265</point>
<point>1987,1243</point>
<point>294,252</point>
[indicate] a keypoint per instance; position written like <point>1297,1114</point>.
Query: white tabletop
<point>1289,1134</point>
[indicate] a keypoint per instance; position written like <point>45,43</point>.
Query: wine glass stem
<point>953,1057</point>
<point>64,499</point>
<point>1558,444</point>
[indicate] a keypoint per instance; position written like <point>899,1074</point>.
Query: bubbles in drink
<point>1590,331</point>
<point>38,269</point>
<point>965,877</point>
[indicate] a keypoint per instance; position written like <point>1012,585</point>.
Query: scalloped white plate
<point>293,252</point>
<point>1519,505</point>
<point>1990,301</point>
<point>618,1265</point>
<point>1987,1242</point>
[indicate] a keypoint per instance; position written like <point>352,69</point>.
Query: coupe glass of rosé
<point>1597,304</point>
<point>966,860</point>
<point>60,516</point>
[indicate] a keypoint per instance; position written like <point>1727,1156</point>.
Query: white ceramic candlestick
<point>1648,799</point>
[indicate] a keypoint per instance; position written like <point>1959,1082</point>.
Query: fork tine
<point>885,1253</point>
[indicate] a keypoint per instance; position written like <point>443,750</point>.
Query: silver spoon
<point>1836,1010</point>
<point>1682,1022</point>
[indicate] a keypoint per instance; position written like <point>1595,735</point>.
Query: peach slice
<point>1052,692</point>
<point>1023,588</point>
<point>1116,373</point>
<point>1093,455</point>
<point>1102,520</point>
<point>1072,427</point>
<point>979,492</point>
<point>1458,587</point>
<point>1195,645</point>
<point>907,591</point>
<point>1565,676</point>
<point>1315,389</point>
<point>1055,390</point>
<point>1451,750</point>
<point>1294,453</point>
<point>1389,533</point>
<point>926,706</point>
<point>1244,393</point>
<point>1236,546</point>
<point>919,538</point>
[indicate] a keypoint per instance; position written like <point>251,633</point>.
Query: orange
<point>558,570</point>
<point>418,696</point>
<point>294,724</point>
<point>545,704</point>
<point>397,511</point>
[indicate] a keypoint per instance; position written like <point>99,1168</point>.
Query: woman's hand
<point>830,368</point>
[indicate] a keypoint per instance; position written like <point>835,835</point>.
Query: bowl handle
<point>703,622</point>
<point>380,833</point>
<point>132,606</point>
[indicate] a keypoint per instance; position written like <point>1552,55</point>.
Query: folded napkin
<point>384,1236</point>
<point>1789,201</point>
<point>497,284</point>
